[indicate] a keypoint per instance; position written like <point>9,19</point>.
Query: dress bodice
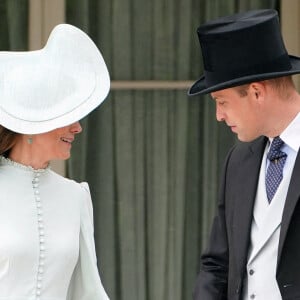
<point>40,219</point>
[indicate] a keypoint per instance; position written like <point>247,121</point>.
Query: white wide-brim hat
<point>53,87</point>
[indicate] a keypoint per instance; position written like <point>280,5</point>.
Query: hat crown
<point>242,48</point>
<point>237,21</point>
<point>243,45</point>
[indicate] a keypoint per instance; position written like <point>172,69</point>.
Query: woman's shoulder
<point>68,183</point>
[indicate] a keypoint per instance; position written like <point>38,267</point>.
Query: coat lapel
<point>291,201</point>
<point>246,185</point>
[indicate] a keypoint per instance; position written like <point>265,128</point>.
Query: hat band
<point>281,64</point>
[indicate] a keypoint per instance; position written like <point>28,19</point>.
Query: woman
<point>47,247</point>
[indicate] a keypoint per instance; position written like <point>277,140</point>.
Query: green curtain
<point>13,25</point>
<point>152,158</point>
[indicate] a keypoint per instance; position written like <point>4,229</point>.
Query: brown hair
<point>242,89</point>
<point>7,140</point>
<point>282,85</point>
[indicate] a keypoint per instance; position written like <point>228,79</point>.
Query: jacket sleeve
<point>85,282</point>
<point>212,280</point>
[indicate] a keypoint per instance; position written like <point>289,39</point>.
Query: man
<point>254,247</point>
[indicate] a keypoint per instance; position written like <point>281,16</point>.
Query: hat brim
<point>52,87</point>
<point>200,87</point>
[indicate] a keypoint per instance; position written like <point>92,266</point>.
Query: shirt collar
<point>291,135</point>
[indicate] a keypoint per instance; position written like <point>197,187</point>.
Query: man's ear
<point>257,89</point>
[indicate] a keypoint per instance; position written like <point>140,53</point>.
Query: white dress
<point>47,249</point>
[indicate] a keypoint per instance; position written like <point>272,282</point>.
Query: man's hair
<point>242,89</point>
<point>281,85</point>
<point>7,140</point>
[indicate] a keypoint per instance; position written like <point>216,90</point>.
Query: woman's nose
<point>76,128</point>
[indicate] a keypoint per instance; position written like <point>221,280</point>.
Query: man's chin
<point>246,139</point>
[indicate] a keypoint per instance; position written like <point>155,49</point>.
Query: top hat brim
<point>200,87</point>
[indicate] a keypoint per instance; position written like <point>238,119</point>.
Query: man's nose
<point>219,114</point>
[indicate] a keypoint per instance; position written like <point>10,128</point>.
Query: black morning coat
<point>223,264</point>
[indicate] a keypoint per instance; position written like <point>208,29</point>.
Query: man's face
<point>242,113</point>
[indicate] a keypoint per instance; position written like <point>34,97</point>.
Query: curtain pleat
<point>14,25</point>
<point>152,158</point>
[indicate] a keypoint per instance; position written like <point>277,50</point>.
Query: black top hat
<point>242,48</point>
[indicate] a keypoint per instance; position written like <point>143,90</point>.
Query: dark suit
<point>223,264</point>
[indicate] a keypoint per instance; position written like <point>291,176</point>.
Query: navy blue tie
<point>276,163</point>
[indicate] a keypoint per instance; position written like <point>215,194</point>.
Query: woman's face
<point>38,150</point>
<point>55,144</point>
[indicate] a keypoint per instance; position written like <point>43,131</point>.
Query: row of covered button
<point>41,232</point>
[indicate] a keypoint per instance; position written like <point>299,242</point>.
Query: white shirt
<point>291,138</point>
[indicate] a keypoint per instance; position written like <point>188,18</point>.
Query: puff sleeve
<point>85,282</point>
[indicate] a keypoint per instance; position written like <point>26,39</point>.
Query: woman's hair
<point>7,140</point>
